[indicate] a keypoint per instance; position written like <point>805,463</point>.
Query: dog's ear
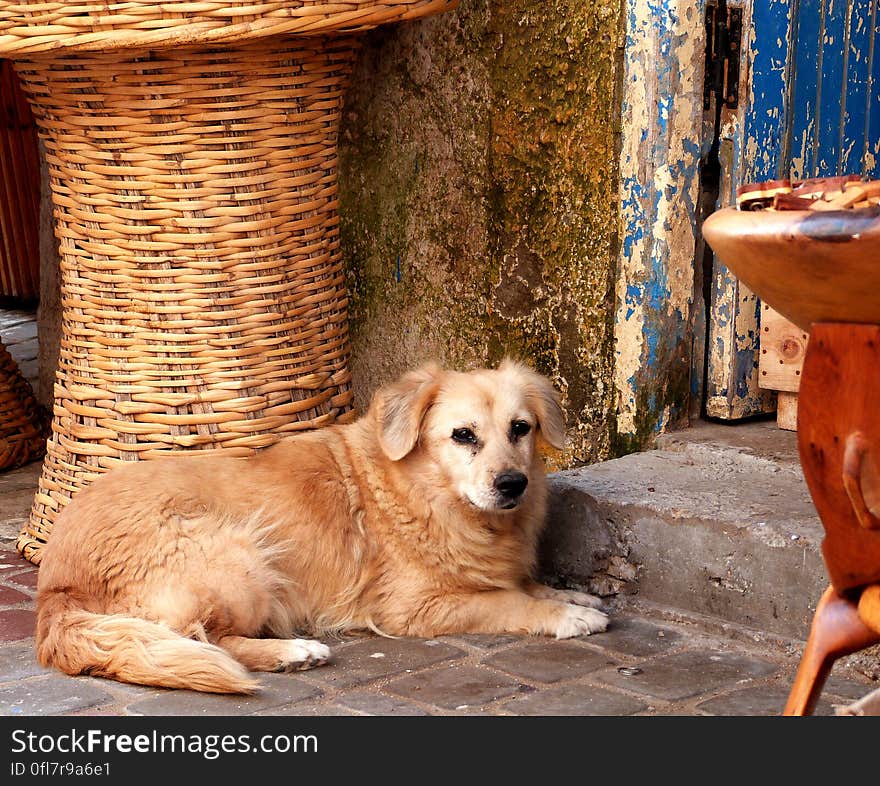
<point>400,409</point>
<point>543,400</point>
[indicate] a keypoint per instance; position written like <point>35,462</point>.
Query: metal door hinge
<point>723,50</point>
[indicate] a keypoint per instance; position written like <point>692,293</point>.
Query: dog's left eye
<point>465,436</point>
<point>519,428</point>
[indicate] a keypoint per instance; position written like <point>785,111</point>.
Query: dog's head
<point>476,430</point>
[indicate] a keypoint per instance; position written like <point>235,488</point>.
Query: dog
<point>420,518</point>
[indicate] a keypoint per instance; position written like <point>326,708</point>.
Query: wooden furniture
<point>19,193</point>
<point>193,162</point>
<point>780,364</point>
<point>819,270</point>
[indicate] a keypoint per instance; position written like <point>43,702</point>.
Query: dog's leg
<point>505,611</point>
<point>543,592</point>
<point>275,654</point>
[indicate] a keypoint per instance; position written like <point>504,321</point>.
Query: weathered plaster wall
<point>662,138</point>
<point>479,198</point>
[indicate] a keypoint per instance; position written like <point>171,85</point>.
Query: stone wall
<point>479,199</point>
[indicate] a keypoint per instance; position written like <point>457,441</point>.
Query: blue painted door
<point>811,108</point>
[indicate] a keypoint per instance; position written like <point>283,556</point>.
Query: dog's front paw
<point>304,654</point>
<point>579,598</point>
<point>544,592</point>
<point>580,621</point>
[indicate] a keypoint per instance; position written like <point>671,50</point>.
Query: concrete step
<point>716,521</point>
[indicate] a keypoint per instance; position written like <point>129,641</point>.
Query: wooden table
<point>819,269</point>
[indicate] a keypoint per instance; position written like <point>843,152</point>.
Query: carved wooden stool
<point>818,268</point>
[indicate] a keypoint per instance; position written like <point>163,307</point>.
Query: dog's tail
<point>129,649</point>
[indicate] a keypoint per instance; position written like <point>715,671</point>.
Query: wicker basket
<point>195,195</point>
<point>23,426</point>
<point>97,25</point>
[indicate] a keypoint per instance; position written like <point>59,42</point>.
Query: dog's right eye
<point>465,436</point>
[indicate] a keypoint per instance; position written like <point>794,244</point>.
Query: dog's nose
<point>511,484</point>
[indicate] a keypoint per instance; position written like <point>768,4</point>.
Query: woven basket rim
<point>29,28</point>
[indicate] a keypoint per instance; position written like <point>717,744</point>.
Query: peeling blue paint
<point>659,187</point>
<point>835,127</point>
<point>745,366</point>
<point>633,294</point>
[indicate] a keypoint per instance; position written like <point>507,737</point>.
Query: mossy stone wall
<point>479,199</point>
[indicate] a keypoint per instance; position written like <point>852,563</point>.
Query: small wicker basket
<point>192,154</point>
<point>23,425</point>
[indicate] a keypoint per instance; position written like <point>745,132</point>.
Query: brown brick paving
<point>646,663</point>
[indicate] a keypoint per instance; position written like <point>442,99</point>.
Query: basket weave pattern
<point>93,25</point>
<point>22,424</point>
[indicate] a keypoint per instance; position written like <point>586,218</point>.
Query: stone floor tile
<point>15,505</point>
<point>845,688</point>
<point>27,578</point>
<point>30,366</point>
<point>688,673</point>
<point>379,704</point>
<point>54,694</point>
<point>10,558</point>
<point>761,700</point>
<point>10,596</point>
<point>10,317</point>
<point>484,641</point>
<point>575,699</point>
<point>634,636</point>
<point>455,687</point>
<point>17,624</point>
<point>549,661</point>
<point>18,333</point>
<point>278,690</point>
<point>19,661</point>
<point>308,710</point>
<point>22,479</point>
<point>375,657</point>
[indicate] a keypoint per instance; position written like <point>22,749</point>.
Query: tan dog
<point>419,519</point>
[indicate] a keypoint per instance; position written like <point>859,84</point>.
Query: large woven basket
<point>23,426</point>
<point>192,155</point>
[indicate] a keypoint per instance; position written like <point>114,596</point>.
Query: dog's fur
<point>188,571</point>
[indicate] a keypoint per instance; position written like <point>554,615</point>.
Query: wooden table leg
<point>869,607</point>
<point>837,630</point>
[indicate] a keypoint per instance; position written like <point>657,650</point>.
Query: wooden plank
<point>783,348</point>
<point>786,410</point>
<point>871,163</point>
<point>751,150</point>
<point>805,88</point>
<point>858,61</point>
<point>19,191</point>
<point>24,210</point>
<point>831,87</point>
<point>767,113</point>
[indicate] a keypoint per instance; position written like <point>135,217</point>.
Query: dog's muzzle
<point>510,486</point>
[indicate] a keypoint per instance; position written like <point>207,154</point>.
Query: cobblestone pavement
<point>649,662</point>
<point>645,664</point>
